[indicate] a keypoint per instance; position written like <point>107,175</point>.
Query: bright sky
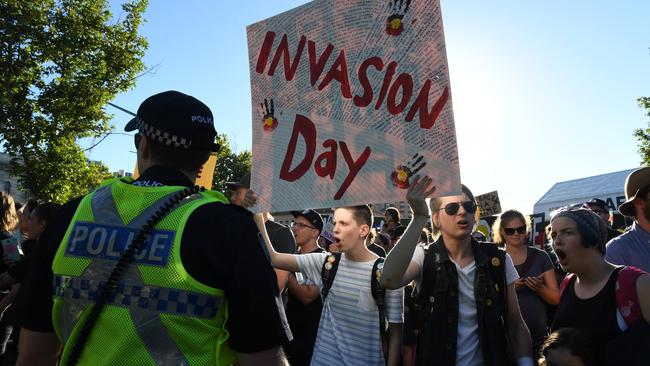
<point>543,92</point>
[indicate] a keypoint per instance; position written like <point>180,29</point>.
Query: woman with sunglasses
<point>468,310</point>
<point>537,285</point>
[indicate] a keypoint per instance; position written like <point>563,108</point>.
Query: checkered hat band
<point>163,137</point>
<point>151,298</point>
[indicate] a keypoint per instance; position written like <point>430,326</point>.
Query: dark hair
<point>177,158</point>
<point>398,232</point>
<point>576,341</point>
<point>31,205</point>
<point>505,217</point>
<point>362,214</point>
<point>393,213</point>
<point>46,211</point>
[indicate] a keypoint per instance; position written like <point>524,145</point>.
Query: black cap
<point>244,181</point>
<point>176,120</point>
<point>598,202</point>
<point>312,216</point>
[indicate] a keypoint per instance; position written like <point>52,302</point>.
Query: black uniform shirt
<point>219,247</point>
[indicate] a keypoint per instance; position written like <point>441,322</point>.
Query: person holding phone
<point>536,285</point>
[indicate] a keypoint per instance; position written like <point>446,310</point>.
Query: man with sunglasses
<point>468,310</point>
<point>304,305</point>
<point>632,248</point>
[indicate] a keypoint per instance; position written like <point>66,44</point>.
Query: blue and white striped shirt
<point>348,333</point>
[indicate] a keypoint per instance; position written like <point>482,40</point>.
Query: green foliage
<point>230,166</point>
<point>61,61</point>
<point>643,135</point>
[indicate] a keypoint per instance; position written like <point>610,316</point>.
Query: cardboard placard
<point>351,99</point>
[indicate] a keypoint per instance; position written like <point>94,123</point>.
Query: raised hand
<point>419,190</point>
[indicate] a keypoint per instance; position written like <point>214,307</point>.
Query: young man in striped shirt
<point>349,329</point>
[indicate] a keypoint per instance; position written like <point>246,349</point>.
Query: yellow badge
<point>496,287</point>
<point>328,266</point>
<point>488,302</point>
<point>496,262</point>
<point>331,259</point>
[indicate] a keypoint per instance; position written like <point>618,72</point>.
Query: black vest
<point>437,306</point>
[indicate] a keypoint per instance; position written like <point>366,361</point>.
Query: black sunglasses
<point>511,230</point>
<point>452,208</point>
<point>301,225</point>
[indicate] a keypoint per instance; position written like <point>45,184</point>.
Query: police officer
<point>197,290</point>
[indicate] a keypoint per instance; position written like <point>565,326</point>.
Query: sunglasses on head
<point>511,230</point>
<point>452,208</point>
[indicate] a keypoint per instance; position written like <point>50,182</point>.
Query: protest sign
<point>328,229</point>
<point>489,204</point>
<point>351,99</point>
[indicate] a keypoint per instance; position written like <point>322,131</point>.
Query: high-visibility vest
<point>159,314</point>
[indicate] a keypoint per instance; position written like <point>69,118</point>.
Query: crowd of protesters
<point>151,271</point>
<point>22,225</point>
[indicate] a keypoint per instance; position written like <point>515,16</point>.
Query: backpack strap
<point>626,296</point>
<point>379,294</point>
<point>565,282</point>
<point>328,271</point>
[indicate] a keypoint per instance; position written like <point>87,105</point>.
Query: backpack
<point>328,272</point>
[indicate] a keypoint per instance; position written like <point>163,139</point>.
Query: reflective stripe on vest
<point>151,298</point>
<point>102,242</point>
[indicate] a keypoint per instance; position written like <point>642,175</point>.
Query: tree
<point>61,61</point>
<point>643,135</point>
<point>230,166</point>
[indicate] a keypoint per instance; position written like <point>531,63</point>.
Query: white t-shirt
<point>348,333</point>
<point>468,349</point>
